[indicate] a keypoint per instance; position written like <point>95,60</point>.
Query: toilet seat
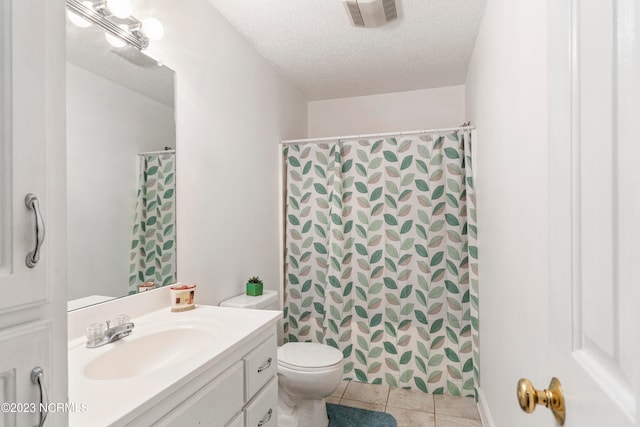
<point>308,357</point>
<point>310,370</point>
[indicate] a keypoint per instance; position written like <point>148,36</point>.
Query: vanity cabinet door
<point>22,151</point>
<point>19,396</point>
<point>238,421</point>
<point>32,160</point>
<point>213,405</point>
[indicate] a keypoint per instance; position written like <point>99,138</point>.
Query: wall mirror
<point>120,170</point>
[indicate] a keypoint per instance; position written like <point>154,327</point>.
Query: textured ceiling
<point>314,45</point>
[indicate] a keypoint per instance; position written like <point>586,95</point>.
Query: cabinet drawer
<point>262,411</point>
<point>212,405</point>
<point>259,366</point>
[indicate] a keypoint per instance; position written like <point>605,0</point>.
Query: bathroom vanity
<point>211,366</point>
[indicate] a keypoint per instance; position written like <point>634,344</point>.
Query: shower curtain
<point>153,247</point>
<point>381,257</point>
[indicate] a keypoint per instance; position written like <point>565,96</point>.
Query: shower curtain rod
<point>372,135</point>
<point>148,153</point>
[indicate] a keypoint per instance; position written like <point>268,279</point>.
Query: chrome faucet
<point>99,334</point>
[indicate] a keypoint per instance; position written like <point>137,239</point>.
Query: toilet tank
<point>267,301</point>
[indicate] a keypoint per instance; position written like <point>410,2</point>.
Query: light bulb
<point>120,8</point>
<point>77,20</point>
<point>116,41</point>
<point>153,28</point>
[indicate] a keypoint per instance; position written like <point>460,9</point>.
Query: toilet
<point>307,372</point>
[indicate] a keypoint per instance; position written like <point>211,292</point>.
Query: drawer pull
<point>267,417</point>
<point>265,366</point>
<point>34,256</point>
<point>37,377</point>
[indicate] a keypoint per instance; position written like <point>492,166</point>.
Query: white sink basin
<point>133,356</point>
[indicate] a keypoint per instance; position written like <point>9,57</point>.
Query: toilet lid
<point>308,355</point>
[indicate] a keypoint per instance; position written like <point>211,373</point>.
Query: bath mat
<point>346,416</point>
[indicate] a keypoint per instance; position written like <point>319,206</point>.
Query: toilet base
<point>307,413</point>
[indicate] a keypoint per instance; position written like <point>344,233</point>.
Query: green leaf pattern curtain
<point>153,244</point>
<point>381,258</point>
<point>472,237</point>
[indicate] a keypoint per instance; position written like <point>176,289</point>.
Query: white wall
<point>107,125</point>
<point>413,110</point>
<point>232,110</point>
<point>506,98</point>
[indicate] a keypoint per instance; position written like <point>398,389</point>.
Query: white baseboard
<point>485,414</point>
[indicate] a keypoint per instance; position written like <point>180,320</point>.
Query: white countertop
<point>113,402</point>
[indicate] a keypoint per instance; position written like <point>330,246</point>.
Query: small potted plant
<point>254,286</point>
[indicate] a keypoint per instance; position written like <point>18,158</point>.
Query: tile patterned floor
<point>411,408</point>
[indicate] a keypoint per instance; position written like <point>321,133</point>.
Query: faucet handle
<point>95,331</point>
<point>121,319</point>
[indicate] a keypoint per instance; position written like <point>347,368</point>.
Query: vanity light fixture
<point>153,28</point>
<point>114,17</point>
<point>77,20</point>
<point>116,41</point>
<point>120,8</point>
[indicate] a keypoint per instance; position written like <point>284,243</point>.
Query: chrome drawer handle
<point>34,256</point>
<point>266,418</point>
<point>265,366</point>
<point>37,375</point>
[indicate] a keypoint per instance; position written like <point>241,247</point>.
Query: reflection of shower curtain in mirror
<point>153,243</point>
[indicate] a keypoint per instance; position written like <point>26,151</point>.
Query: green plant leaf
<point>420,384</point>
<point>422,185</point>
<point>361,376</point>
<point>377,256</point>
<point>406,376</point>
<point>376,320</point>
<point>451,355</point>
<point>346,166</point>
<point>293,220</point>
<point>320,248</point>
<point>390,219</point>
<point>390,348</point>
<point>406,291</point>
<point>451,153</point>
<point>436,326</point>
<point>406,162</point>
<point>420,316</point>
<point>390,283</point>
<point>361,312</point>
<point>452,220</point>
<point>438,192</point>
<point>390,156</point>
<point>437,258</point>
<point>406,227</point>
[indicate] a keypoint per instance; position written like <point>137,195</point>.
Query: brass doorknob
<point>552,398</point>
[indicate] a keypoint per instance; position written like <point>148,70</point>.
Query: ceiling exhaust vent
<point>371,13</point>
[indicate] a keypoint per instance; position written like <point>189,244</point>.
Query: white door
<point>595,213</point>
<point>32,297</point>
